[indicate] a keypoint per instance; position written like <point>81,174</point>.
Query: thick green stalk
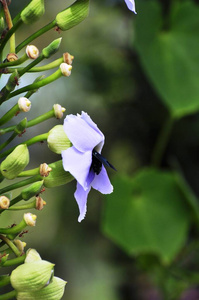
<point>13,230</point>
<point>35,35</point>
<point>15,62</point>
<point>14,261</point>
<point>11,245</point>
<point>9,34</point>
<point>4,280</point>
<point>20,184</point>
<point>9,115</point>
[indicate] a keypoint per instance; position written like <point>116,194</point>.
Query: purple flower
<point>79,160</point>
<point>131,5</point>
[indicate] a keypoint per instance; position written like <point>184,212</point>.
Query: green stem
<point>34,140</point>
<point>9,34</point>
<point>10,244</point>
<point>29,205</point>
<point>13,230</point>
<point>15,62</point>
<point>14,261</point>
<point>162,141</point>
<point>28,173</point>
<point>4,280</point>
<point>9,115</point>
<point>31,65</point>
<point>35,35</point>
<point>37,85</point>
<point>47,67</point>
<point>10,25</point>
<point>9,295</point>
<point>8,141</point>
<point>20,184</point>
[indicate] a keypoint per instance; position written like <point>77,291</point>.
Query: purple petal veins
<point>85,136</point>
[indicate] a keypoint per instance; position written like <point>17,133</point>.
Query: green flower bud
<point>73,15</point>
<point>33,11</point>
<point>15,162</point>
<point>3,259</point>
<point>58,176</point>
<point>57,139</point>
<point>52,48</point>
<point>32,190</point>
<point>32,255</point>
<point>31,276</point>
<point>53,291</point>
<point>12,81</point>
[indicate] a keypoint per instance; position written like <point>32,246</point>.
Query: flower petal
<point>102,183</point>
<point>81,133</point>
<point>78,164</point>
<point>81,198</point>
<point>131,5</point>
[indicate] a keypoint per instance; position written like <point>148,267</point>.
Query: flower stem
<point>29,173</point>
<point>14,63</point>
<point>29,205</point>
<point>34,140</point>
<point>162,141</point>
<point>9,295</point>
<point>36,85</point>
<point>9,23</point>
<point>9,34</point>
<point>35,35</point>
<point>10,244</point>
<point>20,184</point>
<point>9,115</point>
<point>14,261</point>
<point>13,230</point>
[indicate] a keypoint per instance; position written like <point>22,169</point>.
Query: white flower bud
<point>24,104</point>
<point>65,69</point>
<point>58,110</point>
<point>20,245</point>
<point>68,58</point>
<point>30,219</point>
<point>11,57</point>
<point>32,51</point>
<point>40,203</point>
<point>4,202</point>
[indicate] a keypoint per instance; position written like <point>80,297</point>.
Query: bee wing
<point>103,160</point>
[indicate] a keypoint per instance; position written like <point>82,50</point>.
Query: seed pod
<point>57,139</point>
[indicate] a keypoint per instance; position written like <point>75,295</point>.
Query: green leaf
<point>147,215</point>
<point>170,56</point>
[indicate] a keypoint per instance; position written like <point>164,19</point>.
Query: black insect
<point>97,161</point>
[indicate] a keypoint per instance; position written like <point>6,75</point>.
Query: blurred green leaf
<point>168,49</point>
<point>147,214</point>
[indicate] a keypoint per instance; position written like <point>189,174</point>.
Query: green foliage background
<point>138,78</point>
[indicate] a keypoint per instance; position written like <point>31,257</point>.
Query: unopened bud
<point>11,57</point>
<point>24,104</point>
<point>58,110</point>
<point>32,255</point>
<point>52,48</point>
<point>57,139</point>
<point>68,58</point>
<point>58,176</point>
<point>65,69</point>
<point>4,202</point>
<point>20,245</point>
<point>32,51</point>
<point>40,203</point>
<point>30,219</point>
<point>53,291</point>
<point>32,190</point>
<point>31,277</point>
<point>44,170</point>
<point>15,162</point>
<point>33,11</point>
<point>72,15</point>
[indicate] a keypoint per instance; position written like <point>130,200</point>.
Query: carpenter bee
<point>97,161</point>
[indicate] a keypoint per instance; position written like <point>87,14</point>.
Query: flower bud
<point>15,162</point>
<point>44,170</point>
<point>53,291</point>
<point>12,81</point>
<point>20,245</point>
<point>11,57</point>
<point>72,15</point>
<point>40,203</point>
<point>32,51</point>
<point>32,276</point>
<point>57,139</point>
<point>68,58</point>
<point>33,11</point>
<point>24,104</point>
<point>32,255</point>
<point>58,176</point>
<point>4,202</point>
<point>52,48</point>
<point>3,258</point>
<point>30,219</point>
<point>58,111</point>
<point>65,69</point>
<point>32,190</point>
